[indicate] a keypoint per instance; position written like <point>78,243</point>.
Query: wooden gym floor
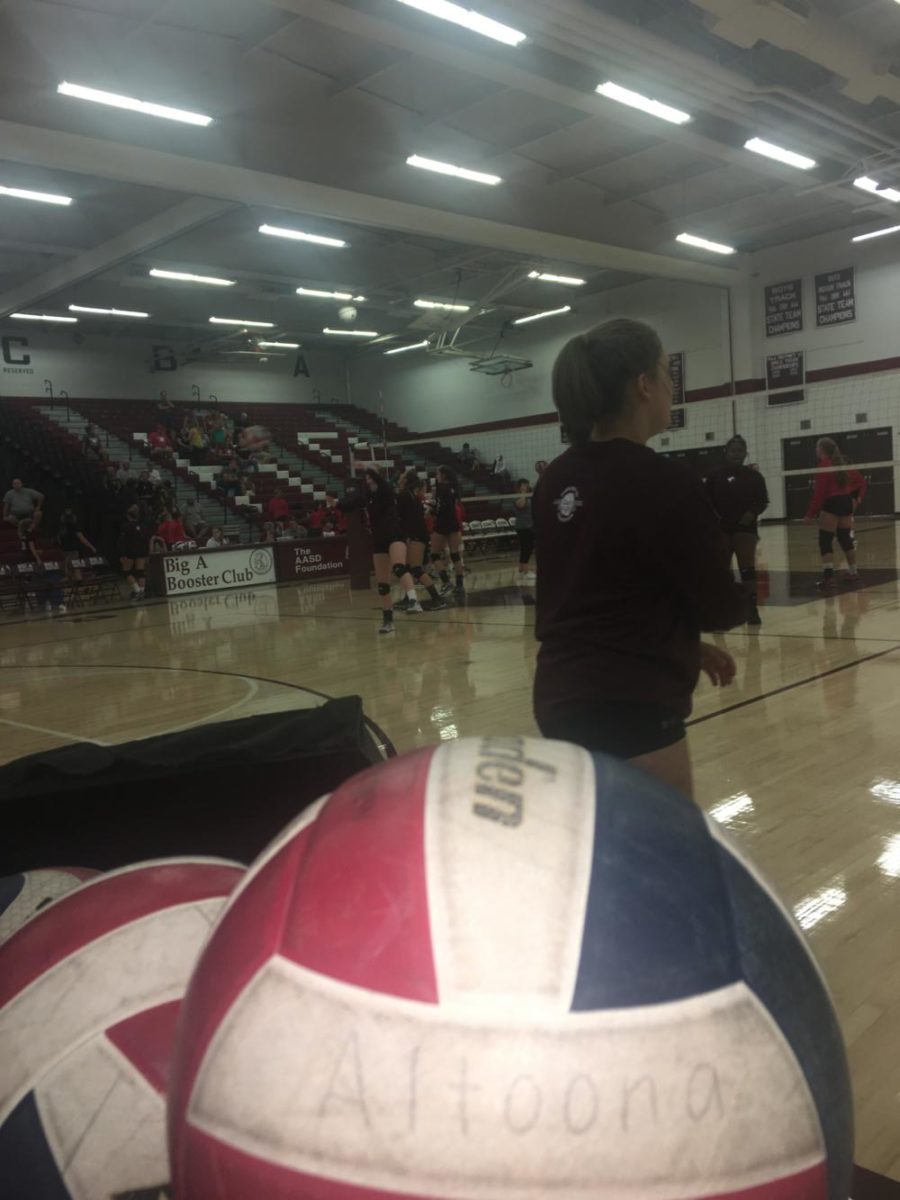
<point>800,759</point>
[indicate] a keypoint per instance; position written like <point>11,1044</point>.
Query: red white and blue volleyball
<point>23,895</point>
<point>89,992</point>
<point>505,968</point>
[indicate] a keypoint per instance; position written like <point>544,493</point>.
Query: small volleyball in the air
<point>348,314</point>
<point>507,968</point>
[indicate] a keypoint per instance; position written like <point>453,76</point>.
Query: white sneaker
<point>386,628</point>
<point>529,577</point>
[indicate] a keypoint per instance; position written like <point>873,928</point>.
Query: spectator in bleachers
<point>499,470</point>
<point>192,519</point>
<point>168,414</point>
<point>198,442</point>
<point>278,508</point>
<point>468,457</point>
<point>28,547</point>
<point>170,530</point>
<point>219,436</point>
<point>269,532</point>
<point>91,443</point>
<point>123,472</point>
<point>229,480</point>
<point>242,422</point>
<point>144,487</point>
<point>293,531</point>
<point>134,546</point>
<point>159,443</point>
<point>540,467</point>
<point>328,529</point>
<point>22,503</point>
<point>216,538</point>
<point>73,542</point>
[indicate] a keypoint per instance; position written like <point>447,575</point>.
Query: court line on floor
<point>789,687</point>
<point>384,742</point>
<point>66,737</point>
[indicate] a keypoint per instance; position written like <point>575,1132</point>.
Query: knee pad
<point>140,576</point>
<point>417,573</point>
<point>455,558</point>
<point>748,575</point>
<point>398,570</point>
<point>826,541</point>
<point>847,540</point>
<point>384,589</point>
<point>436,557</point>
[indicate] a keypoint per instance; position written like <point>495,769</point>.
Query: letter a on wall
<point>301,367</point>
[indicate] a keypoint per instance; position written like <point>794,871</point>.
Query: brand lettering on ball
<point>502,775</point>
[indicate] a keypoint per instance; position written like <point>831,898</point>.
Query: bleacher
<point>313,449</point>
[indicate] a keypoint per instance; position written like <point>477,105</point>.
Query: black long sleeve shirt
<point>632,566</point>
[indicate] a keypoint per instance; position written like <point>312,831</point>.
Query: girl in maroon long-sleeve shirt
<point>739,495</point>
<point>835,500</point>
<point>633,563</point>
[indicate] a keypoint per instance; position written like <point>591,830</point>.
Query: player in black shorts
<point>739,495</point>
<point>411,512</point>
<point>447,533</point>
<point>388,542</point>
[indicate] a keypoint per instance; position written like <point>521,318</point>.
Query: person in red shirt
<point>159,443</point>
<point>171,530</point>
<point>739,495</point>
<point>278,507</point>
<point>633,563</point>
<point>839,492</point>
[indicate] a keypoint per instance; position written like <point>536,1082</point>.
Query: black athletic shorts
<point>839,506</point>
<point>622,729</point>
<point>381,543</point>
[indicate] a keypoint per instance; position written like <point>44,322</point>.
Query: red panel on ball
<point>101,906</point>
<point>360,907</point>
<point>146,1040</point>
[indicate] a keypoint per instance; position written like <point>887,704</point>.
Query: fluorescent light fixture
<point>279,345</point>
<point>442,305</point>
<point>665,112</point>
<point>889,862</point>
<point>78,92</point>
<point>106,312</point>
<point>403,349</point>
<point>298,236</point>
<point>187,277</point>
<point>41,197</point>
<point>43,317</point>
<point>870,185</point>
<point>366,333</point>
<point>468,20</point>
<point>770,150</point>
<point>553,312</point>
<point>864,237</point>
<point>442,168</point>
<point>569,280</point>
<point>329,295</point>
<point>688,239</point>
<point>237,321</point>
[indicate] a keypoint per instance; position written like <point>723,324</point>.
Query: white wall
<point>424,392</point>
<point>105,368</point>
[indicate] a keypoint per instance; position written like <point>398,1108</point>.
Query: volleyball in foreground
<point>22,895</point>
<point>505,968</point>
<point>89,992</point>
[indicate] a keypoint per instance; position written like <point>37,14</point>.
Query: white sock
<point>411,595</point>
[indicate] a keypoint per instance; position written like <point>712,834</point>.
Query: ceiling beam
<point>105,159</point>
<point>162,228</point>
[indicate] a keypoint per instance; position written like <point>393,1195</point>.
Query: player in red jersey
<point>738,494</point>
<point>837,496</point>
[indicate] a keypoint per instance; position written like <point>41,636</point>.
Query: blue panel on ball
<point>10,887</point>
<point>777,967</point>
<point>26,1158</point>
<point>657,925</point>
